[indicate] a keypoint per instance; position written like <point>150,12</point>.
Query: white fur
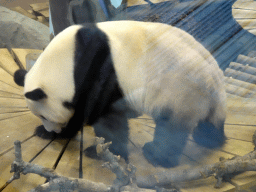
<point>158,66</point>
<point>53,72</point>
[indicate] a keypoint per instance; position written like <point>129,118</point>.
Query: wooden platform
<point>17,122</point>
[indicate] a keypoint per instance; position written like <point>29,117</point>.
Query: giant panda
<point>159,70</point>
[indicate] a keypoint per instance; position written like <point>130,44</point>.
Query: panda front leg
<point>170,138</point>
<point>208,135</point>
<point>210,131</point>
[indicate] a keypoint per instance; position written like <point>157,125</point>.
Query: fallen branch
<point>123,176</point>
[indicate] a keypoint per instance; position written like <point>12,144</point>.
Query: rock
<point>19,31</point>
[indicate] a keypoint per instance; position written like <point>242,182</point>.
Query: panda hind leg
<point>169,141</point>
<point>207,135</point>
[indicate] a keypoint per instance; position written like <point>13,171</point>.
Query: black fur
<point>207,135</point>
<point>19,77</point>
<point>96,86</point>
<point>36,95</point>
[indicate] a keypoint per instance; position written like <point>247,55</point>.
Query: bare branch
<point>123,176</point>
<point>220,170</point>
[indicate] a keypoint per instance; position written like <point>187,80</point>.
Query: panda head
<point>55,86</point>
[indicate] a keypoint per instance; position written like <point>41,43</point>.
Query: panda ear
<point>19,77</point>
<point>36,94</point>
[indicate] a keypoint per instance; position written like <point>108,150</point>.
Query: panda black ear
<point>36,94</point>
<point>19,77</point>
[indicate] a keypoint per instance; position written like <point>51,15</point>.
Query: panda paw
<point>41,132</point>
<point>207,135</point>
<point>158,156</point>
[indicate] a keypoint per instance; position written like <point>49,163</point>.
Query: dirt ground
<point>22,3</point>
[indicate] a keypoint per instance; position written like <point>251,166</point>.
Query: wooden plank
<point>250,5</point>
<point>5,116</point>
<point>13,102</point>
<point>92,169</point>
<point>240,75</point>
<point>241,106</point>
<point>240,132</point>
<point>243,59</point>
<point>240,91</point>
<point>244,13</point>
<point>7,62</point>
<point>17,128</point>
<point>22,54</point>
<point>253,31</point>
<point>239,83</point>
<point>8,85</point>
<point>244,68</point>
<point>239,119</point>
<point>12,110</point>
<point>247,23</point>
<point>237,147</point>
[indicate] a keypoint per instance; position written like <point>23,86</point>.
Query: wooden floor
<point>17,123</point>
